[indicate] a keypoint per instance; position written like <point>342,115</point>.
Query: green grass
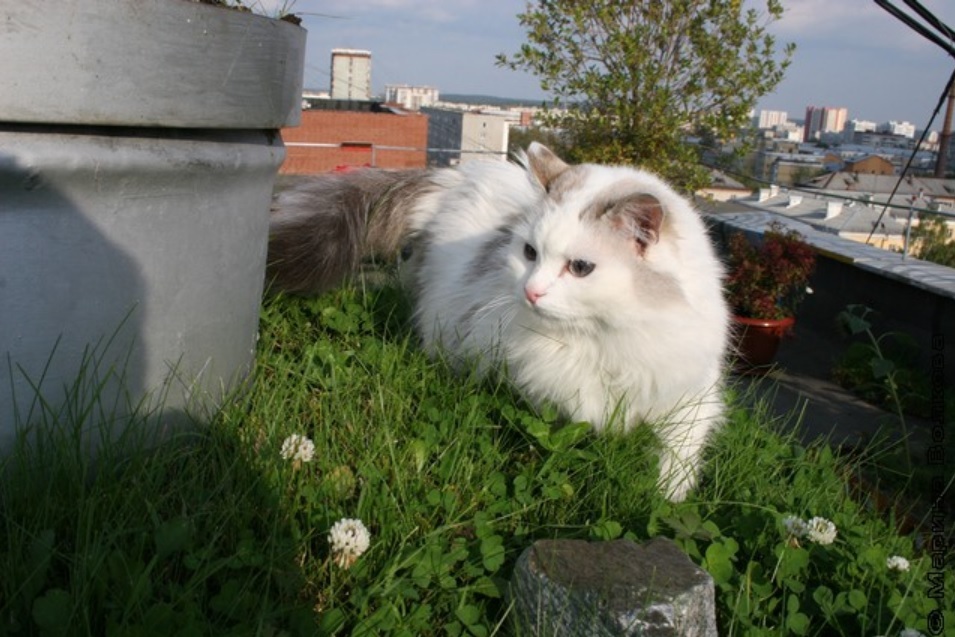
<point>214,533</point>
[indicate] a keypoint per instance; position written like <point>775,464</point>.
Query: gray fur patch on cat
<point>321,230</point>
<point>489,256</point>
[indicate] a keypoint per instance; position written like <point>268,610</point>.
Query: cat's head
<point>600,246</point>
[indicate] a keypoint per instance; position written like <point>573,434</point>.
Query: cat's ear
<point>640,216</point>
<point>544,165</point>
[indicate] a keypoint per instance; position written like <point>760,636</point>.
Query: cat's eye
<point>529,252</point>
<point>580,268</point>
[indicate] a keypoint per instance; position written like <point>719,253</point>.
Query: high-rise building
<point>905,129</point>
<point>771,119</point>
<point>788,131</point>
<point>824,119</point>
<point>856,128</point>
<point>411,97</point>
<point>835,120</point>
<point>861,126</point>
<point>351,74</point>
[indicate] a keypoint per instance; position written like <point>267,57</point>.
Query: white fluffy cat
<point>595,288</point>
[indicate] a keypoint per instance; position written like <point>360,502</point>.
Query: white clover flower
<point>897,563</point>
<point>910,632</point>
<point>298,448</point>
<point>795,526</point>
<point>348,539</point>
<point>821,531</point>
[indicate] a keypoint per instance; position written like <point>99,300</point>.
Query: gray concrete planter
<point>138,151</point>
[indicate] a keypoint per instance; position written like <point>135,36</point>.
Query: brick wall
<point>871,166</point>
<point>350,138</point>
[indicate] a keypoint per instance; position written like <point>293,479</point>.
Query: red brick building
<point>870,165</point>
<point>373,135</point>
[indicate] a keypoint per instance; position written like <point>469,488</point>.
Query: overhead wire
<point>933,20</point>
<point>915,25</point>
<point>908,164</point>
<point>942,28</point>
<point>828,195</point>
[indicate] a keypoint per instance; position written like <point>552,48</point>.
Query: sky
<point>849,53</point>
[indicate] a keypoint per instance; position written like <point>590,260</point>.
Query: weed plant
<point>218,532</point>
<point>884,370</point>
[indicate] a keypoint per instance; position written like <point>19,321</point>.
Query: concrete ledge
<point>908,295</point>
<point>931,277</point>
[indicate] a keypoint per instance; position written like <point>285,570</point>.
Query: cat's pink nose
<point>532,295</point>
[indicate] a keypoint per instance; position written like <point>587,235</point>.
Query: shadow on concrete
<point>800,387</point>
<point>72,302</point>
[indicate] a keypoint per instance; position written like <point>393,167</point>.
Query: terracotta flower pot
<point>757,341</point>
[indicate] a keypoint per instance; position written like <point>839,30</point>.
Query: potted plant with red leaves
<point>764,285</point>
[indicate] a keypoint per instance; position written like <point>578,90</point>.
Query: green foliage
<point>771,581</point>
<point>177,540</point>
<point>521,138</point>
<point>453,478</point>
<point>882,368</point>
<point>933,240</point>
<point>217,533</point>
<point>637,78</point>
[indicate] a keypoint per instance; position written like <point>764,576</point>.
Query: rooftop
<point>931,277</point>
<point>830,214</point>
<point>926,187</point>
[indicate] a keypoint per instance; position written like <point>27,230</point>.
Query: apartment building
<point>351,74</point>
<point>413,98</point>
<point>825,119</point>
<point>456,136</point>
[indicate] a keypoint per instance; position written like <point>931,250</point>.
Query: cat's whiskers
<point>492,306</point>
<point>549,336</point>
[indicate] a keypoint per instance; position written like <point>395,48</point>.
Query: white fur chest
<point>593,377</point>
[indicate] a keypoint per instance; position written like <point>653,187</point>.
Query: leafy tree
<point>521,138</point>
<point>933,240</point>
<point>638,78</point>
<point>804,174</point>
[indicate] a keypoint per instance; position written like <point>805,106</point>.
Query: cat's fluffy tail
<point>322,229</point>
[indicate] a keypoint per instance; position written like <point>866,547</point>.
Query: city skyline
<point>849,54</point>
